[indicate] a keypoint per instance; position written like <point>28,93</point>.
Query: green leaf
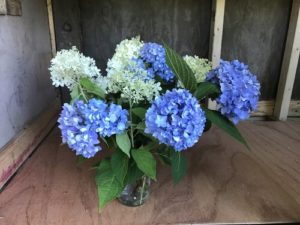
<point>123,142</point>
<point>145,162</point>
<point>180,68</point>
<point>207,126</point>
<point>140,112</point>
<point>75,94</point>
<point>179,166</point>
<point>119,165</point>
<point>141,126</point>
<point>108,187</point>
<point>205,89</point>
<point>103,165</point>
<point>133,174</point>
<point>91,87</point>
<point>225,124</point>
<point>164,154</point>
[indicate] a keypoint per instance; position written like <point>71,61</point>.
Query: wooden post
<point>289,65</point>
<point>3,9</point>
<point>216,34</point>
<point>51,27</point>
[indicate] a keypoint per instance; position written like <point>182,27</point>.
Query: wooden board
<point>3,7</point>
<point>14,7</point>
<point>216,35</point>
<point>289,65</point>
<point>225,184</point>
<point>13,155</point>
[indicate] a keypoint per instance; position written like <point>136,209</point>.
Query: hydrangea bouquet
<point>150,106</point>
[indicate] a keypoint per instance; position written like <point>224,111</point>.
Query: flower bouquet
<point>150,106</point>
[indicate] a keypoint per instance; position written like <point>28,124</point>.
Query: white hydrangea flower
<point>199,66</point>
<point>68,66</point>
<point>126,77</point>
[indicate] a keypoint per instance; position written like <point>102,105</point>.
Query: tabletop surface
<point>226,183</point>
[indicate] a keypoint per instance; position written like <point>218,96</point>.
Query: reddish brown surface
<point>225,184</point>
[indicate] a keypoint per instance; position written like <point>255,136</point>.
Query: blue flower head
<point>155,56</point>
<point>81,123</point>
<point>106,119</point>
<point>176,119</point>
<point>76,132</point>
<point>240,89</point>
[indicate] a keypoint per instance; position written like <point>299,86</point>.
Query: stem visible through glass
<point>143,189</point>
<point>131,125</point>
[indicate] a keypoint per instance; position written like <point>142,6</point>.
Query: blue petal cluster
<point>81,123</point>
<point>155,55</point>
<point>106,119</point>
<point>79,135</point>
<point>176,119</point>
<point>240,89</point>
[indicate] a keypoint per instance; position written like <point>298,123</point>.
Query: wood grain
<point>13,155</point>
<point>3,7</point>
<point>225,184</point>
<point>14,7</point>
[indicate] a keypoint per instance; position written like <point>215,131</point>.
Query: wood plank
<point>13,155</point>
<point>3,10</point>
<point>266,108</point>
<point>14,7</point>
<point>289,65</point>
<point>216,34</point>
<point>225,184</point>
<point>51,27</point>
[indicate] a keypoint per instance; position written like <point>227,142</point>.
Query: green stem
<point>82,92</point>
<point>131,125</point>
<point>143,189</point>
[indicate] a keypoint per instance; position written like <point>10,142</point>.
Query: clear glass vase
<point>137,193</point>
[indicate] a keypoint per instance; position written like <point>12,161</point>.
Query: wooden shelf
<point>226,183</point>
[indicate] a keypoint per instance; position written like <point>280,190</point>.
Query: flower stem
<point>82,92</point>
<point>131,124</point>
<point>143,189</point>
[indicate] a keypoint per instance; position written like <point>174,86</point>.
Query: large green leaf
<point>75,94</point>
<point>225,124</point>
<point>91,87</point>
<point>140,112</point>
<point>145,162</point>
<point>179,166</point>
<point>123,142</point>
<point>119,165</point>
<point>108,187</point>
<point>180,68</point>
<point>206,89</point>
<point>133,174</point>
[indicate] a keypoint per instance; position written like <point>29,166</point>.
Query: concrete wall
<point>255,32</point>
<point>25,51</point>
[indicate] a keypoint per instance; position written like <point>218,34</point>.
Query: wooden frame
<point>216,35</point>
<point>3,9</point>
<point>13,155</point>
<point>51,27</point>
<point>289,65</point>
<point>11,7</point>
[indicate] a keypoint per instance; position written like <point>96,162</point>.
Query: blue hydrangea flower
<point>155,55</point>
<point>176,119</point>
<point>106,119</point>
<point>79,135</point>
<point>240,89</point>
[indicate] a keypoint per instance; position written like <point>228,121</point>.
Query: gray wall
<point>25,86</point>
<point>185,25</point>
<point>255,32</point>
